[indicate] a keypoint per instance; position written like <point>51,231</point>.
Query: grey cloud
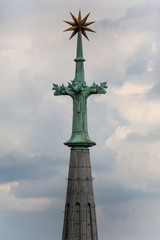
<point>15,167</point>
<point>154,93</point>
<point>19,9</point>
<point>154,135</point>
<point>137,20</point>
<point>37,118</point>
<point>55,186</point>
<point>38,225</point>
<point>101,127</point>
<point>146,9</point>
<point>102,160</point>
<point>136,219</point>
<point>133,16</point>
<point>117,194</point>
<point>10,171</point>
<point>137,67</point>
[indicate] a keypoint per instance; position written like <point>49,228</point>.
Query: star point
<point>79,25</point>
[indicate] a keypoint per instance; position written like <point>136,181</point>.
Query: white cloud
<point>137,115</point>
<point>154,49</point>
<point>8,187</point>
<point>130,88</point>
<point>10,202</point>
<point>137,159</point>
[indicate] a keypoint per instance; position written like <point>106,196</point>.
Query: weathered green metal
<point>79,91</point>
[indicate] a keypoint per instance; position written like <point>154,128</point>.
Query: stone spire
<point>80,216</point>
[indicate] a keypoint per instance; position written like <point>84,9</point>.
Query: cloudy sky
<point>125,123</point>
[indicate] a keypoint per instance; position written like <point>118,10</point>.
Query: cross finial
<point>79,25</point>
<point>78,89</point>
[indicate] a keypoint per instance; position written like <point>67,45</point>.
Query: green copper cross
<point>79,92</point>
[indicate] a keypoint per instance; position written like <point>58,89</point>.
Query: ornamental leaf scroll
<point>76,88</point>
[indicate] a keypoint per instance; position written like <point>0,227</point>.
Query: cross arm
<point>61,90</point>
<point>97,89</point>
<point>73,88</point>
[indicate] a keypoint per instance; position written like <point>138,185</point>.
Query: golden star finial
<point>79,25</point>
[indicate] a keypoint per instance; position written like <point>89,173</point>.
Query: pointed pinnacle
<point>71,29</point>
<point>85,34</point>
<point>70,23</point>
<point>88,29</point>
<point>89,23</point>
<point>74,33</point>
<point>85,19</point>
<point>79,17</point>
<point>74,18</point>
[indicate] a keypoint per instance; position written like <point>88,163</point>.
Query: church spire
<point>80,214</point>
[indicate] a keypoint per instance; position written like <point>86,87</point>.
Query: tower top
<point>78,89</point>
<point>79,25</point>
